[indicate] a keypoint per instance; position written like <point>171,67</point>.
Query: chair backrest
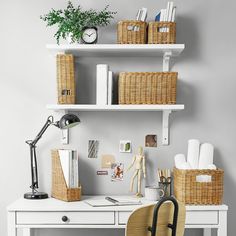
<point>142,219</point>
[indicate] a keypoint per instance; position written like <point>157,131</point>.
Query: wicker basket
<point>189,191</point>
<point>59,187</point>
<point>65,79</point>
<point>156,34</point>
<point>147,87</point>
<point>132,32</point>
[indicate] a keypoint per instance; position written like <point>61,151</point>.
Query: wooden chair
<point>166,218</point>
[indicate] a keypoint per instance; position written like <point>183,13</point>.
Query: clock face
<point>89,35</point>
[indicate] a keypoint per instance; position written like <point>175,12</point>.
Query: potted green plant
<point>73,22</point>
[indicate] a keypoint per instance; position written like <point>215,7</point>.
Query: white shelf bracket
<point>64,132</point>
<point>165,127</point>
<point>166,61</point>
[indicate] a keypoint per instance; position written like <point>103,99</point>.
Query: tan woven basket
<point>59,187</point>
<point>65,79</point>
<point>132,32</point>
<point>189,191</point>
<point>156,34</point>
<point>147,87</point>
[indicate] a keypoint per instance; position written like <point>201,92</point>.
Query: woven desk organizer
<point>131,32</point>
<point>161,32</point>
<point>147,87</point>
<point>65,79</point>
<point>189,191</point>
<point>59,187</point>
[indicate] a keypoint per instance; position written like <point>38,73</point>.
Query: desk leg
<point>27,232</point>
<point>207,232</point>
<point>11,224</point>
<point>222,230</point>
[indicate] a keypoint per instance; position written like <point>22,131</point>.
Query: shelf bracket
<point>165,127</point>
<point>64,132</point>
<point>166,61</point>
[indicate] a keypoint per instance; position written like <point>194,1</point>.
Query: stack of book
<point>168,14</point>
<point>69,164</point>
<point>104,85</point>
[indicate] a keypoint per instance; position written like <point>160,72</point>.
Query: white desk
<point>48,213</point>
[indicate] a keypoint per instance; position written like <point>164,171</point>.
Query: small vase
<point>69,39</point>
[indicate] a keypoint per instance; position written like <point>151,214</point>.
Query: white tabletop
<point>52,204</point>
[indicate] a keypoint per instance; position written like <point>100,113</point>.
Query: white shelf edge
<point>77,107</point>
<point>117,49</point>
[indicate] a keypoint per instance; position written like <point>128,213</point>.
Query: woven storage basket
<point>65,79</point>
<point>147,87</point>
<point>155,34</point>
<point>59,187</point>
<point>189,191</point>
<point>132,32</point>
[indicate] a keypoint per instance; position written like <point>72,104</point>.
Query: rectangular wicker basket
<point>131,32</point>
<point>59,187</point>
<point>189,191</point>
<point>161,32</point>
<point>65,79</point>
<point>147,87</point>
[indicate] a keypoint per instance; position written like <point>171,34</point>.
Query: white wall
<point>27,74</point>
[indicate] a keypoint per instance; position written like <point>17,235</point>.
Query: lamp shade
<point>68,121</point>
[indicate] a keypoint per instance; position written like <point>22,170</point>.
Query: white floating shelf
<point>86,50</point>
<point>123,50</point>
<point>165,109</point>
<point>78,107</point>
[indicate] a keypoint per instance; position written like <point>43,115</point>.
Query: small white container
<point>153,193</point>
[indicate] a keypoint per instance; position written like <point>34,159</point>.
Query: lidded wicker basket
<point>147,87</point>
<point>161,32</point>
<point>132,32</point>
<point>188,190</point>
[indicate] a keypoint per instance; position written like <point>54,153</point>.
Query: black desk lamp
<point>67,121</point>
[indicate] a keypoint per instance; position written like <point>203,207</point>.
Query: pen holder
<point>166,186</point>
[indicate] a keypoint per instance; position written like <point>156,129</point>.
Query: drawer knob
<point>64,218</point>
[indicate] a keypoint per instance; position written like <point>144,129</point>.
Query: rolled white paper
<point>193,153</point>
<point>206,155</point>
<point>179,160</point>
<point>212,167</point>
<point>185,166</point>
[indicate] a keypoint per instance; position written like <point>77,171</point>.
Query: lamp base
<point>35,196</point>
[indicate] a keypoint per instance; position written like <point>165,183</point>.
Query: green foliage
<point>72,20</point>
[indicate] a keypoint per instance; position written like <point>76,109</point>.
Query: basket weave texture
<point>189,191</point>
<point>132,32</point>
<point>59,187</point>
<point>147,87</point>
<point>156,36</point>
<point>65,79</point>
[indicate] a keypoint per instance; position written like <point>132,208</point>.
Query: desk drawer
<point>123,217</point>
<point>83,218</point>
<point>201,217</point>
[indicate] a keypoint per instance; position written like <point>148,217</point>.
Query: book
<point>173,14</point>
<point>158,16</point>
<point>69,164</point>
<point>110,88</point>
<point>170,11</point>
<point>101,86</point>
<point>142,14</point>
<point>108,201</point>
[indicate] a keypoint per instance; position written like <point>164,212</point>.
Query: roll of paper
<point>185,166</point>
<point>193,153</point>
<point>179,160</point>
<point>206,155</point>
<point>212,167</point>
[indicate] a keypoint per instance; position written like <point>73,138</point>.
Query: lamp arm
<point>33,159</point>
<point>48,122</point>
